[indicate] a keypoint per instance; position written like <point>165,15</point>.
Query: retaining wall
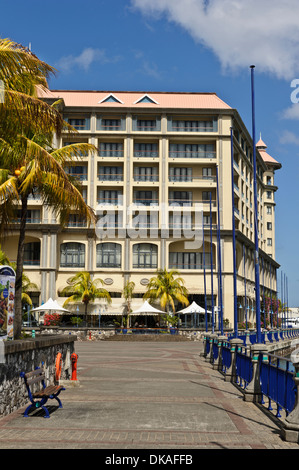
<point>26,355</point>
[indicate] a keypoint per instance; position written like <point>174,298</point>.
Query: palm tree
<point>82,288</point>
<point>22,74</point>
<point>29,166</point>
<point>167,288</point>
<point>128,295</point>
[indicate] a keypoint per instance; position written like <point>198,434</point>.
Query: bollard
<point>253,390</point>
<point>230,374</point>
<point>74,359</point>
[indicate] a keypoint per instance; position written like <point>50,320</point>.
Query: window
<point>109,197</point>
<point>79,124</point>
<point>108,255</point>
<point>192,151</point>
<point>148,198</point>
<point>146,99</point>
<point>148,173</point>
<point>269,241</point>
<point>269,225</point>
<point>194,125</point>
<point>180,174</point>
<point>111,124</point>
<point>33,216</point>
<point>180,221</point>
<point>72,255</point>
<point>269,194</point>
<point>207,173</point>
<point>186,260</point>
<point>269,209</point>
<point>145,255</point>
<point>111,149</point>
<point>76,220</point>
<point>110,173</point>
<point>79,172</point>
<point>145,150</point>
<point>32,254</point>
<point>180,197</point>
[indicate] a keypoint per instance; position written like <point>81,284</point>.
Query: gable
<point>146,99</point>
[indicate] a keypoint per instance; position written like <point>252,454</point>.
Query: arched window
<point>145,255</point>
<point>108,255</point>
<point>72,255</point>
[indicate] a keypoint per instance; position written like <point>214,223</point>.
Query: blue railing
<point>226,356</point>
<point>277,384</point>
<point>244,368</point>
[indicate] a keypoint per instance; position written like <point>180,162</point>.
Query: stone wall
<point>26,355</point>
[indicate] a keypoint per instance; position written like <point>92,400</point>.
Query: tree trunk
<point>19,270</point>
<point>86,305</point>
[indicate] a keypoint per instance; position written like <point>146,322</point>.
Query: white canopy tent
<point>147,309</point>
<point>193,308</point>
<point>50,306</point>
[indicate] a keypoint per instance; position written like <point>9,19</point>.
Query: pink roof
<point>261,146</point>
<point>130,99</point>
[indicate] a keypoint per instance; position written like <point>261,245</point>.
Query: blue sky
<point>183,45</point>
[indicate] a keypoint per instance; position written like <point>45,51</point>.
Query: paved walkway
<point>145,395</point>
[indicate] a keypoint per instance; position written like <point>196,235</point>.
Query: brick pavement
<point>145,395</point>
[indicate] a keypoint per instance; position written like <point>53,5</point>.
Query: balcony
<point>80,124</point>
<point>191,179</point>
<point>192,151</point>
<point>146,150</point>
<point>182,125</point>
<point>111,177</point>
<point>146,125</point>
<point>146,201</point>
<point>110,125</point>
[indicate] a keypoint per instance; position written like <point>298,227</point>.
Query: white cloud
<point>291,113</point>
<point>84,60</point>
<point>239,32</point>
<point>288,137</point>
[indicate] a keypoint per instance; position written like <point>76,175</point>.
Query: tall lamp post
<point>256,242</point>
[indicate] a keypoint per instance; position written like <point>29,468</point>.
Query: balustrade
<point>258,373</point>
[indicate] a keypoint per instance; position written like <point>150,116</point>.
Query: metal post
<point>234,239</point>
<point>204,274</point>
<point>219,259</point>
<point>212,272</point>
<point>256,242</point>
<point>245,306</point>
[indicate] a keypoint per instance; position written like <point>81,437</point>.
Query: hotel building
<point>153,173</point>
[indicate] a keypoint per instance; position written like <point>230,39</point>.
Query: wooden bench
<point>40,397</point>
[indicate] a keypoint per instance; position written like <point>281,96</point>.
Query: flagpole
<point>256,242</point>
<point>219,259</point>
<point>212,273</point>
<point>204,273</point>
<point>234,239</point>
